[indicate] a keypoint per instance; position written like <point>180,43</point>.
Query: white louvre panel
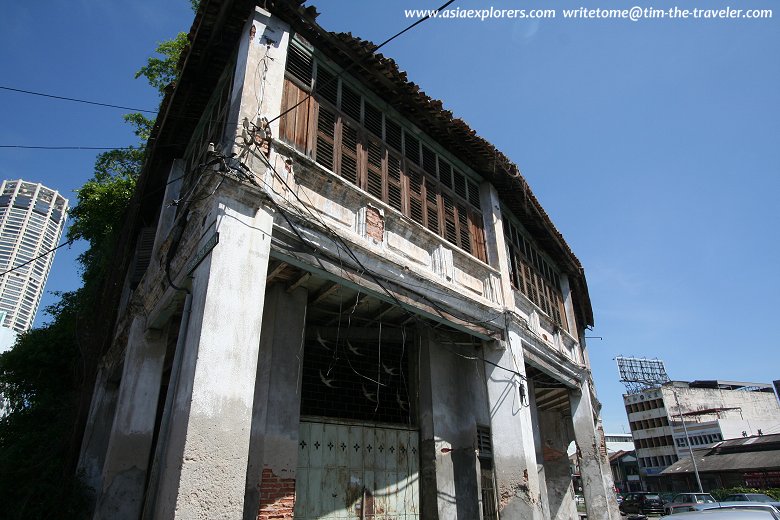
<point>353,471</point>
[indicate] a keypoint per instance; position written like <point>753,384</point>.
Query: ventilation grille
<point>484,442</point>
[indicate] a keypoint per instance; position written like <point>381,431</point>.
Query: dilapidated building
<point>341,302</point>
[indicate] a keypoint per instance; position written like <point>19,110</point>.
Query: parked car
<point>752,497</point>
<point>726,514</point>
<point>759,506</point>
<point>643,503</point>
<point>688,502</point>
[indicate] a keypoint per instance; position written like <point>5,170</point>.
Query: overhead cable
<point>354,63</point>
<point>75,100</point>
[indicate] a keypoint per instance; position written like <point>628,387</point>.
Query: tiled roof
<point>213,38</point>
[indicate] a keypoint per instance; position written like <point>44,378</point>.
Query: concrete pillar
<point>495,240</point>
<point>203,473</point>
<point>97,431</point>
<point>556,436</point>
<point>514,452</point>
<point>538,448</point>
<point>597,486</point>
<point>451,403</point>
<point>273,450</point>
<point>127,456</point>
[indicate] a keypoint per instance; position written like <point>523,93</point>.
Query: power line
<point>45,253</point>
<point>135,109</point>
<point>75,100</point>
<point>26,147</point>
<point>354,63</point>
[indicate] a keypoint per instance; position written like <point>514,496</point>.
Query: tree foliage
<point>42,377</point>
<point>162,71</point>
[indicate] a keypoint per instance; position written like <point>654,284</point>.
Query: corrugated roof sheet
<point>743,454</point>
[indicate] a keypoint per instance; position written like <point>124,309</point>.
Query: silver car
<point>738,512</point>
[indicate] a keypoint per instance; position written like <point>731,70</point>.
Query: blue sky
<point>653,145</point>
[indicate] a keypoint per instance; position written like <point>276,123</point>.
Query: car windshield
<point>759,497</point>
<point>703,498</point>
<point>652,497</point>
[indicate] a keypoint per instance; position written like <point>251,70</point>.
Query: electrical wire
<point>45,253</point>
<point>375,277</point>
<point>354,63</point>
<point>26,147</point>
<point>75,100</point>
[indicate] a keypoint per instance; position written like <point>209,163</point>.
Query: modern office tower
<point>32,218</point>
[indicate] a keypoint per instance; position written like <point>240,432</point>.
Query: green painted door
<point>357,471</point>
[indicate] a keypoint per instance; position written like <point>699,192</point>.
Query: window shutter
<point>416,204</point>
<point>350,102</point>
<point>374,180</point>
<point>394,182</point>
<point>373,119</point>
<point>474,194</point>
<point>327,85</point>
<point>393,134</point>
<point>143,255</point>
<point>348,168</point>
<point>478,236</point>
<point>411,148</point>
<point>294,126</point>
<point>300,65</point>
<point>463,229</point>
<point>326,131</point>
<point>460,185</point>
<point>450,228</point>
<point>432,206</point>
<point>445,173</point>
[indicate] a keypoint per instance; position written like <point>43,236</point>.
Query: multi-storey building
<point>356,307</point>
<point>32,218</point>
<point>711,410</point>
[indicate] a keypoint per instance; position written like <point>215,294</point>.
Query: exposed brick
<point>375,224</point>
<point>277,497</point>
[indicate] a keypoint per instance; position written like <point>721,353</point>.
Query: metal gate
<point>356,472</point>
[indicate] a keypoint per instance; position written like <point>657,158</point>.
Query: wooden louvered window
<point>348,167</point>
<point>532,275</point>
<point>375,178</point>
<point>326,133</point>
<point>416,201</point>
<point>347,134</point>
<point>394,195</point>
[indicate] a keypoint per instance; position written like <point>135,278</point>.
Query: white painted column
<point>127,456</point>
<point>597,485</point>
<point>97,431</point>
<point>556,437</point>
<point>203,475</point>
<point>514,451</point>
<point>451,403</point>
<point>538,445</point>
<point>495,240</point>
<point>273,452</point>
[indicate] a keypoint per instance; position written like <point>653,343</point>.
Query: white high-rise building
<point>32,218</point>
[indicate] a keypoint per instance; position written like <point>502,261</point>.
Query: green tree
<point>43,376</point>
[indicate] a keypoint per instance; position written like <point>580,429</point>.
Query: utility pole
<point>687,440</point>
